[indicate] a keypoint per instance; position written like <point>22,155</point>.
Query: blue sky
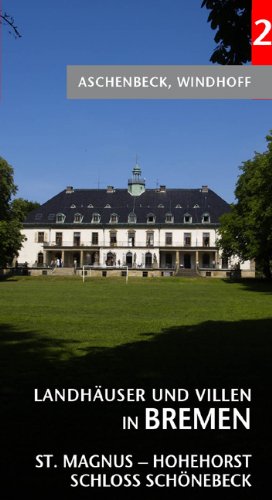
<point>53,142</point>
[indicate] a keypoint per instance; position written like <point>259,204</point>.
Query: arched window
<point>148,259</point>
<point>96,218</point>
<point>78,217</point>
<point>169,218</point>
<point>110,259</point>
<point>187,218</point>
<point>40,259</point>
<point>150,218</point>
<point>113,218</point>
<point>205,218</point>
<point>60,217</point>
<point>129,259</point>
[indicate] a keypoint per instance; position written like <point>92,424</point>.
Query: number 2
<point>259,40</point>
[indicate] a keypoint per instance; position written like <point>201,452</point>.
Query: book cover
<point>135,350</point>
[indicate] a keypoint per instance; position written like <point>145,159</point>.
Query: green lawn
<point>158,332</point>
<point>107,312</point>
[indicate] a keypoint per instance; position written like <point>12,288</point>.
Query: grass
<point>169,332</point>
<point>107,312</point>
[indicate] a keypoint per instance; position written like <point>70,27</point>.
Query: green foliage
<point>21,208</point>
<point>10,227</point>
<point>7,188</point>
<point>232,20</point>
<point>10,240</point>
<point>247,229</point>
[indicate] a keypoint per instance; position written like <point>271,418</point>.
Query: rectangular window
<point>94,238</point>
<point>40,237</point>
<point>113,238</point>
<point>149,239</point>
<point>206,239</point>
<point>76,239</point>
<point>168,238</point>
<point>131,238</point>
<point>187,239</point>
<point>169,218</point>
<point>59,239</point>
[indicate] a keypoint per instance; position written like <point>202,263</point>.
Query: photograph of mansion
<point>155,232</point>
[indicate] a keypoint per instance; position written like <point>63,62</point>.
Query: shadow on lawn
<point>253,284</point>
<point>211,354</point>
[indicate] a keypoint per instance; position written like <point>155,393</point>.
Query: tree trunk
<point>267,269</point>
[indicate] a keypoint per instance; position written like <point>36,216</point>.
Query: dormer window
<point>160,205</point>
<point>90,205</point>
<point>96,218</point>
<point>205,218</point>
<point>178,206</point>
<point>196,206</point>
<point>113,218</point>
<point>169,218</point>
<point>60,218</point>
<point>78,218</point>
<point>187,219</point>
<point>73,205</point>
<point>132,219</point>
<point>107,206</point>
<point>150,219</point>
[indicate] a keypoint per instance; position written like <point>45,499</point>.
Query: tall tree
<point>10,226</point>
<point>247,230</point>
<point>21,208</point>
<point>232,20</point>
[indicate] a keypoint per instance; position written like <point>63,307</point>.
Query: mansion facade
<point>162,231</point>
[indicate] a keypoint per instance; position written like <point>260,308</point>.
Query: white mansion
<point>152,231</point>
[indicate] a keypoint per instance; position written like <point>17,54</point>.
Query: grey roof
<point>86,202</point>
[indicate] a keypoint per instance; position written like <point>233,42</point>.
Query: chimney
<point>110,189</point>
<point>162,188</point>
<point>69,189</point>
<point>205,189</point>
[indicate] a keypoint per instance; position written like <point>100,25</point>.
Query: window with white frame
<point>206,239</point>
<point>131,238</point>
<point>169,218</point>
<point>59,239</point>
<point>168,238</point>
<point>205,218</point>
<point>96,218</point>
<point>76,239</point>
<point>60,217</point>
<point>94,238</point>
<point>150,239</point>
<point>151,219</point>
<point>132,219</point>
<point>40,237</point>
<point>113,238</point>
<point>187,219</point>
<point>187,239</point>
<point>113,218</point>
<point>78,217</point>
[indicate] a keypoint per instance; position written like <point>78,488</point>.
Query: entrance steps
<point>63,271</point>
<point>187,273</point>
